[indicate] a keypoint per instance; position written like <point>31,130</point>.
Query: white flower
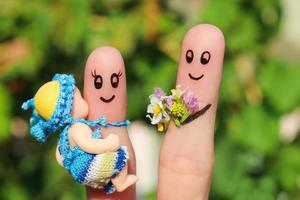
<point>157,110</point>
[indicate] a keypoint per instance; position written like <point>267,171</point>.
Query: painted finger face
<point>201,61</point>
<point>105,84</point>
<point>98,83</point>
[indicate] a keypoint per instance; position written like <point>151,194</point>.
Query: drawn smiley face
<point>200,65</point>
<point>98,83</point>
<point>204,60</point>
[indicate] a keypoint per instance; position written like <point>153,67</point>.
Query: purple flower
<point>169,101</point>
<point>159,93</point>
<point>191,101</point>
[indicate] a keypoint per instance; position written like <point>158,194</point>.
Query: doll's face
<point>105,84</point>
<point>201,61</point>
<point>80,107</point>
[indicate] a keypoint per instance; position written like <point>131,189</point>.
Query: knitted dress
<point>94,170</point>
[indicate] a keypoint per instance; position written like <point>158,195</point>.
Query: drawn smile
<point>107,100</point>
<point>195,78</point>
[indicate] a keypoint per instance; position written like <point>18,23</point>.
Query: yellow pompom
<point>46,98</point>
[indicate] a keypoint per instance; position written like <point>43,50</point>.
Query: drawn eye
<point>189,56</point>
<point>205,57</point>
<point>114,79</point>
<point>97,80</point>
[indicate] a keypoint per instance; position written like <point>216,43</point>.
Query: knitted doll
<point>90,159</point>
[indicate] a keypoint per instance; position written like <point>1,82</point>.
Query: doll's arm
<point>81,135</point>
<point>59,157</point>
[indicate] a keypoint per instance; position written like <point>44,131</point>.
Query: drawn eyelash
<point>119,74</point>
<point>93,73</point>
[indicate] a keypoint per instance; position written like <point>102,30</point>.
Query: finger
<point>187,153</point>
<point>105,93</point>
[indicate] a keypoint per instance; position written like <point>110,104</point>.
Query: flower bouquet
<point>178,106</point>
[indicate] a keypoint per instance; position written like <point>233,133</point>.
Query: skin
<point>108,100</point>
<point>187,153</point>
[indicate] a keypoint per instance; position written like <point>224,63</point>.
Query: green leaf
<point>177,122</point>
<point>230,165</point>
<point>287,168</point>
<point>12,191</point>
<point>231,86</point>
<point>186,114</point>
<point>255,129</point>
<point>5,113</point>
<point>232,175</point>
<point>280,83</point>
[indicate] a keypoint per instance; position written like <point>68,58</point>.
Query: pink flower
<point>159,93</point>
<point>191,101</point>
<point>169,101</point>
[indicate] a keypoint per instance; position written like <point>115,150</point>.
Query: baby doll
<point>90,159</point>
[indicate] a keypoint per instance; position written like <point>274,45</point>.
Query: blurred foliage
<point>40,38</point>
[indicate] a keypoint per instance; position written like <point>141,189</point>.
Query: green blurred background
<point>257,143</point>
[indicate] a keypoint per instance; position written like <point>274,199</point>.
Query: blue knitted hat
<point>41,128</point>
